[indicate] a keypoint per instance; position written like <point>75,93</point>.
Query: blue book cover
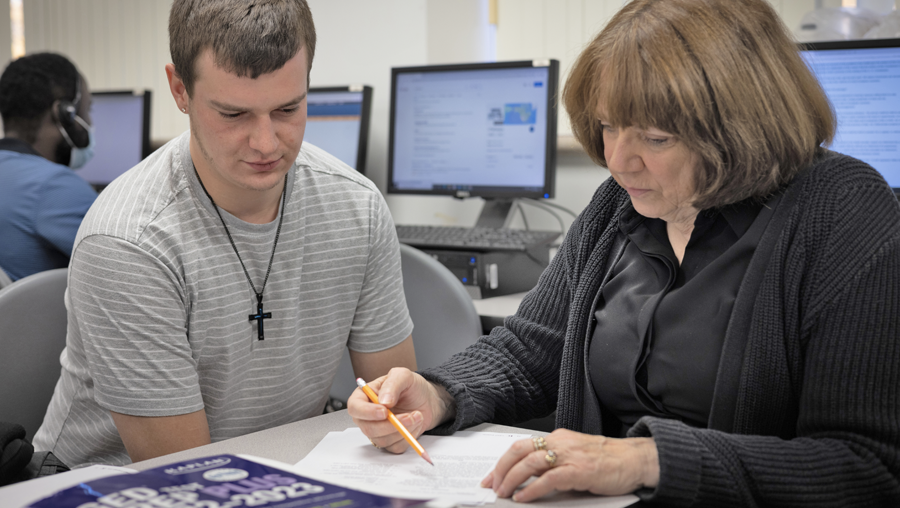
<point>220,481</point>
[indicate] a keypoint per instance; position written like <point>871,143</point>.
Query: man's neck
<point>253,213</point>
<point>46,138</point>
<point>42,147</point>
<point>248,205</point>
<point>255,207</point>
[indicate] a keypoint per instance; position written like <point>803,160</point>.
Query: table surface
<point>290,443</point>
<point>499,306</point>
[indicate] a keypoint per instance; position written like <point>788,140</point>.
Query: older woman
<point>720,326</point>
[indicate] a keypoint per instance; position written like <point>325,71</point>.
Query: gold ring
<point>539,443</point>
<point>373,444</point>
<point>550,458</point>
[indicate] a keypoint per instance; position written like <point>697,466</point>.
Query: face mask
<point>80,156</point>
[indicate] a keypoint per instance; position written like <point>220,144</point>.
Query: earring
<point>184,110</point>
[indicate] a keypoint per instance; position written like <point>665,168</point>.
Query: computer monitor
<point>862,80</point>
<point>337,121</point>
<point>486,130</point>
<point>121,121</point>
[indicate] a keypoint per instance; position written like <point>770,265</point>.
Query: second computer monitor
<point>337,121</point>
<point>862,81</point>
<point>484,130</point>
<point>121,121</point>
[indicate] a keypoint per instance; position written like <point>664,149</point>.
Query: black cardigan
<point>806,408</point>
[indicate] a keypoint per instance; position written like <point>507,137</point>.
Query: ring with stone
<point>550,458</point>
<point>539,443</point>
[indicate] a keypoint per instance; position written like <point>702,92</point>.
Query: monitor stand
<point>497,213</point>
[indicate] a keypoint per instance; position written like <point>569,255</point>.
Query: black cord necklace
<point>259,316</point>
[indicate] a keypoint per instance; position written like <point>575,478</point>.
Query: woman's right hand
<point>417,403</point>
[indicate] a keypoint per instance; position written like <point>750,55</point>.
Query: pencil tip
<point>427,458</point>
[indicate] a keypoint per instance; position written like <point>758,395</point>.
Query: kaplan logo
<point>197,466</point>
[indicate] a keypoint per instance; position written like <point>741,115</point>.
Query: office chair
<point>32,336</point>
<point>4,279</point>
<point>444,317</point>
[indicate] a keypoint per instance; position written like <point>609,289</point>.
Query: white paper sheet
<point>22,494</point>
<point>461,461</point>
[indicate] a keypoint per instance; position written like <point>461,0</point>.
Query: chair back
<point>32,336</point>
<point>444,318</point>
<point>4,279</point>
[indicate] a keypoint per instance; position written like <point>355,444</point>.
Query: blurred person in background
<point>45,104</point>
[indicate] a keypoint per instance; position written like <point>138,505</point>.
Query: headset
<point>73,128</point>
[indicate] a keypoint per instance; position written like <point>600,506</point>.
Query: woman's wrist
<point>445,405</point>
<point>649,456</point>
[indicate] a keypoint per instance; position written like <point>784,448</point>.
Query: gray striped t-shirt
<point>159,305</point>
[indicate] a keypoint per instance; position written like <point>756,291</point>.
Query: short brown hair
<point>722,75</point>
<point>247,37</point>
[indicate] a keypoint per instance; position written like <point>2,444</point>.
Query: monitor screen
<point>862,81</point>
<point>484,130</point>
<point>121,123</point>
<point>337,121</point>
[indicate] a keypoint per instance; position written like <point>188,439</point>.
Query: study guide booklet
<point>22,494</point>
<point>219,481</point>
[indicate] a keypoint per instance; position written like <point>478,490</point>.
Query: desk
<point>290,443</point>
<point>493,311</point>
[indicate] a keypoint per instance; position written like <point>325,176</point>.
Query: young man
<point>45,105</point>
<point>214,286</point>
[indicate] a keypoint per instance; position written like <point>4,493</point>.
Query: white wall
<point>358,42</point>
<point>123,44</point>
<point>457,31</point>
<point>116,44</point>
<point>5,43</point>
<point>5,37</point>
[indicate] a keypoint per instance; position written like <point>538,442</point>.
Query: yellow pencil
<point>395,422</point>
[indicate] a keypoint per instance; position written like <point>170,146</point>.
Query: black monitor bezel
<point>364,120</point>
<point>851,44</point>
<point>147,96</point>
<point>147,101</point>
<point>549,189</point>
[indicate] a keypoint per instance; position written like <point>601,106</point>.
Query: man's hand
<point>418,404</point>
<point>148,437</point>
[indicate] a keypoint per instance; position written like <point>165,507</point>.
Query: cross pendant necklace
<point>259,316</point>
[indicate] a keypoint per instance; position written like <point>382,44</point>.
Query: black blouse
<point>659,326</point>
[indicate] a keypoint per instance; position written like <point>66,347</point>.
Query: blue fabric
<point>41,206</point>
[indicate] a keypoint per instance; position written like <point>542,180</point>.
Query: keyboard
<point>444,237</point>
